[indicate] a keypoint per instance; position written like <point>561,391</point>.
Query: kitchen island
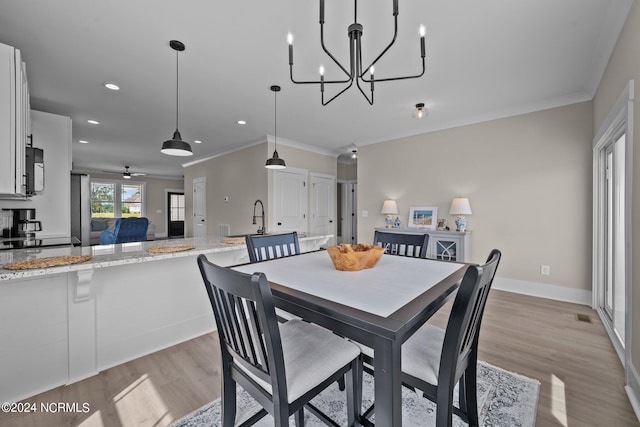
<point>62,324</point>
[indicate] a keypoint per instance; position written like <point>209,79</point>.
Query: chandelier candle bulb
<point>322,11</point>
<point>372,70</point>
<point>422,34</point>
<point>290,41</point>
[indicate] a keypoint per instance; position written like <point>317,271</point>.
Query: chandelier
<point>355,72</point>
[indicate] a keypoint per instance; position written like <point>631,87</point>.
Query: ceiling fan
<point>126,174</point>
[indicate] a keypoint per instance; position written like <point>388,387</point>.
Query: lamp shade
<point>389,207</point>
<point>275,162</point>
<point>460,206</point>
<point>176,146</point>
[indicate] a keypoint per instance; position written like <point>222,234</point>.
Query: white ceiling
<point>485,59</point>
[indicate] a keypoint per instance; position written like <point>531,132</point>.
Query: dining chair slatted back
<point>246,331</point>
<point>402,244</point>
<point>253,347</point>
<point>264,247</point>
<point>459,354</point>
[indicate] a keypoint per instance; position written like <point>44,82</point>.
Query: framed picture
<point>423,217</point>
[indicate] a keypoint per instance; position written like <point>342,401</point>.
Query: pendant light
<point>176,146</point>
<point>275,162</point>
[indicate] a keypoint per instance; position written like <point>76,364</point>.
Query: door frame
<point>621,115</point>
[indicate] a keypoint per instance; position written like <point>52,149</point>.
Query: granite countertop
<point>117,254</point>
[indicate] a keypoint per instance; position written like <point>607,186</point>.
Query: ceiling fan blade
<point>138,174</point>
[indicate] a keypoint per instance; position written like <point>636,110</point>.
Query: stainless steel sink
<point>248,234</point>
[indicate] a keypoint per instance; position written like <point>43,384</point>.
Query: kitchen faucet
<point>260,229</point>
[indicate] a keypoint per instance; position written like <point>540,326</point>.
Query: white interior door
<point>200,207</point>
<point>289,200</point>
<point>323,196</point>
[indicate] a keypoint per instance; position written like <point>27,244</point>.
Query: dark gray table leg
<point>388,384</point>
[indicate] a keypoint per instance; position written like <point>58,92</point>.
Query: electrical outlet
<point>545,270</point>
<point>226,198</point>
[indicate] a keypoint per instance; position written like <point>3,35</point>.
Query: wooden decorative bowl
<point>354,257</point>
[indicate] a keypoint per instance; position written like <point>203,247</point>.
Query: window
<point>117,199</point>
<point>176,207</point>
<point>102,200</point>
<point>131,196</point>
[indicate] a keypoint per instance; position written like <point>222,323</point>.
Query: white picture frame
<point>423,217</point>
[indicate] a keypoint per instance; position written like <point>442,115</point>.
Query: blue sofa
<point>126,230</point>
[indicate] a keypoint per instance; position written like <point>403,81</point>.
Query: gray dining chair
<point>264,247</point>
<point>434,360</point>
<point>282,366</point>
<point>402,244</point>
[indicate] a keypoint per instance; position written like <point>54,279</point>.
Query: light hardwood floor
<point>582,382</point>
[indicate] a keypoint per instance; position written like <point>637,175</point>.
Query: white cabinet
<point>14,121</point>
<point>443,245</point>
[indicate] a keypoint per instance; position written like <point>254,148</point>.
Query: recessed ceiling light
<point>197,141</point>
<point>242,122</point>
<point>83,141</point>
<point>112,86</point>
<point>93,122</point>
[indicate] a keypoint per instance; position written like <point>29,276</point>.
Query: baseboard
<point>132,348</point>
<point>633,390</point>
<point>543,290</point>
<point>161,235</point>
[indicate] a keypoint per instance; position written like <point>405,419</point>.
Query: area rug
<point>504,399</point>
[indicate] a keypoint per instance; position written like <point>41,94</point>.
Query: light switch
<point>158,211</point>
<point>365,214</point>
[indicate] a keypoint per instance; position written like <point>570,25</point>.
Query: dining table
<point>380,307</point>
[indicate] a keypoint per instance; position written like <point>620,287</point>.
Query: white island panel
<point>142,310</point>
<point>33,332</point>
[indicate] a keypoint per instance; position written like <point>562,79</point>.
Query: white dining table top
<point>381,290</point>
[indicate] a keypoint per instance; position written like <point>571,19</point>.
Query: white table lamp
<point>460,206</point>
<point>389,207</point>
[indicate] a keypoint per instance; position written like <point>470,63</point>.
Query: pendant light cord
<point>275,120</point>
<point>177,91</point>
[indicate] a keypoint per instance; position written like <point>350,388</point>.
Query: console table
<point>443,245</point>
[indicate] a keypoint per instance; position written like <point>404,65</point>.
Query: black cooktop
<point>21,243</point>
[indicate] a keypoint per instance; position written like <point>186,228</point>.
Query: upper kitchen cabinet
<point>14,122</point>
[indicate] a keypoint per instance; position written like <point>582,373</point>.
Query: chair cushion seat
<point>311,355</point>
<point>420,353</point>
